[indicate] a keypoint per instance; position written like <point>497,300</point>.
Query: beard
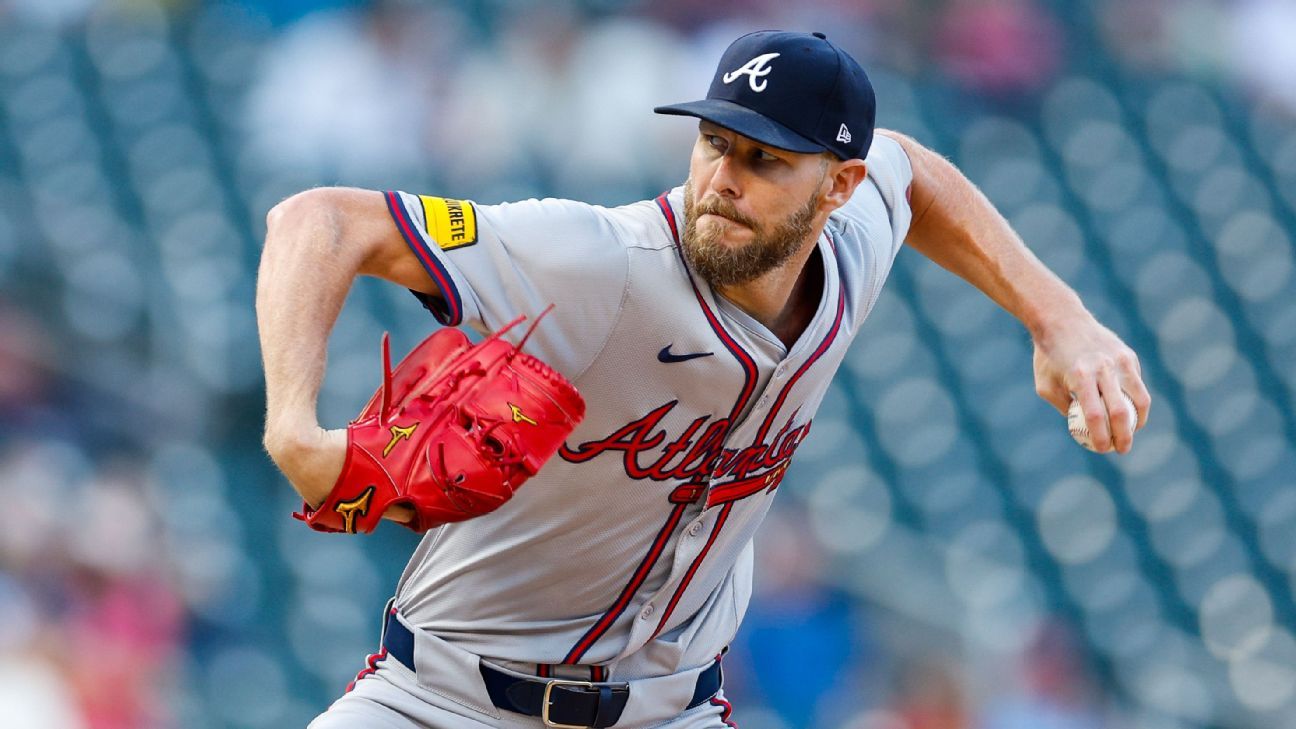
<point>721,265</point>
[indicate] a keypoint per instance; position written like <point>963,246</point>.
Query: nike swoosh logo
<point>666,356</point>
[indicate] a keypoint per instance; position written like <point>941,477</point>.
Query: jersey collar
<point>673,201</point>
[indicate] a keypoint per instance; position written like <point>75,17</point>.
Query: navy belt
<point>559,702</point>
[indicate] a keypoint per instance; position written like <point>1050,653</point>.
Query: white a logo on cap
<point>756,70</point>
<point>843,135</point>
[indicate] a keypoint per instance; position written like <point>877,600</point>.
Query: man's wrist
<point>288,434</point>
<point>302,454</point>
<point>1053,314</point>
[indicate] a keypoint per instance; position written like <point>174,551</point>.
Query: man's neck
<point>785,299</point>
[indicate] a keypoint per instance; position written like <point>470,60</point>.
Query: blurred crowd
<point>376,90</point>
<point>149,574</point>
<point>92,611</point>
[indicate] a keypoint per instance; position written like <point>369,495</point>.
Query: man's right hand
<point>312,460</point>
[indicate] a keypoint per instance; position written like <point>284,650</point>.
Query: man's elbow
<point>348,226</point>
<point>307,207</point>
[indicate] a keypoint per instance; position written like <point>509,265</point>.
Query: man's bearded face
<point>728,265</point>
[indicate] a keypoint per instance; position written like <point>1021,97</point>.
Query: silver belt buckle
<point>544,706</point>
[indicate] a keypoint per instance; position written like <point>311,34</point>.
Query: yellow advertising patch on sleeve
<point>451,223</point>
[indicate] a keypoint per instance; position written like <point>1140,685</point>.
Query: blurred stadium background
<point>944,558</point>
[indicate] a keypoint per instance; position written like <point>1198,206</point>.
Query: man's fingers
<point>399,513</point>
<point>1118,411</point>
<point>1132,379</point>
<point>1095,413</point>
<point>1142,401</point>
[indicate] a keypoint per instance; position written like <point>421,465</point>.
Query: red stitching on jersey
<point>430,262</point>
<point>745,359</point>
<point>823,347</point>
<point>664,204</point>
<point>623,600</point>
<point>742,488</point>
<point>697,562</point>
<point>726,710</point>
<point>729,493</point>
<point>748,364</point>
<point>371,667</point>
<point>687,493</point>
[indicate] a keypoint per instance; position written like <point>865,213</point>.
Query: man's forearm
<point>306,272</point>
<point>1076,357</point>
<point>317,242</point>
<point>956,226</point>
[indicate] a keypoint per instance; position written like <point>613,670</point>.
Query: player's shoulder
<point>636,224</point>
<point>885,189</point>
<point>548,211</point>
<point>889,166</point>
<point>649,224</point>
<point>872,225</point>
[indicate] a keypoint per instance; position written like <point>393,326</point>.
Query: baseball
<point>1080,431</point>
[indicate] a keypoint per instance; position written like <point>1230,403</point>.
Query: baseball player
<point>701,329</point>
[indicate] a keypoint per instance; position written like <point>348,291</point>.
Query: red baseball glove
<point>454,430</point>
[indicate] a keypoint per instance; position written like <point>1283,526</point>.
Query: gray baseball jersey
<point>630,553</point>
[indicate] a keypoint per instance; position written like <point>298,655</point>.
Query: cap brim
<point>746,122</point>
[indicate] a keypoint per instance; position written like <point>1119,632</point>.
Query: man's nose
<point>726,179</point>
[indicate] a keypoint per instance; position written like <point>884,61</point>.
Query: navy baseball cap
<point>793,91</point>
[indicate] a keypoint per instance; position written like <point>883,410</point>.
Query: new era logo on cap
<point>801,93</point>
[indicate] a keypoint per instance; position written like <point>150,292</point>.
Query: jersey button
<point>646,612</point>
<point>694,528</point>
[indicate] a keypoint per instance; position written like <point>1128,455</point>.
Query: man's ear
<point>840,182</point>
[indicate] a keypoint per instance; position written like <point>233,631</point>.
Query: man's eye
<point>764,156</point>
<point>715,141</point>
